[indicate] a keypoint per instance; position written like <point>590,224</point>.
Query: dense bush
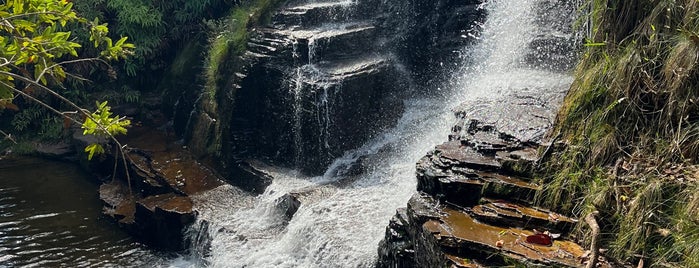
<point>155,27</point>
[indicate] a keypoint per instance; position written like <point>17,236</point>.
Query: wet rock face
<point>554,47</point>
<point>475,194</point>
<point>436,33</point>
<point>287,205</point>
<point>155,205</point>
<point>324,77</point>
<point>314,83</point>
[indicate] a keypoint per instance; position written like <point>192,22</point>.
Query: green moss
<point>631,122</point>
<point>230,39</point>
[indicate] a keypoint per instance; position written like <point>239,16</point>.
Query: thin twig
<point>548,148</point>
<point>616,188</point>
<point>594,247</point>
<point>43,72</point>
<point>8,137</point>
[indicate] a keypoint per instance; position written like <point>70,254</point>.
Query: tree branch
<point>43,72</point>
<point>79,109</point>
<point>7,19</point>
<point>8,137</point>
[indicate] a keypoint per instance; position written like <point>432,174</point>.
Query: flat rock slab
<point>461,155</point>
<point>169,203</point>
<point>501,212</point>
<point>163,163</point>
<point>518,117</point>
<point>119,203</point>
<point>458,232</point>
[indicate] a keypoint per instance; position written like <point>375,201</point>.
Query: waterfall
<point>343,214</point>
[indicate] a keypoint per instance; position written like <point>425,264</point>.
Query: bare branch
<point>43,72</point>
<point>7,19</point>
<point>8,137</point>
<point>79,110</point>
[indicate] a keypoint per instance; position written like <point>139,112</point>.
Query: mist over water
<point>343,217</point>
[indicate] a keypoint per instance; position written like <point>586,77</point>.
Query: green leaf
<point>93,149</point>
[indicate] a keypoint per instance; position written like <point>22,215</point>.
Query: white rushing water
<point>343,218</point>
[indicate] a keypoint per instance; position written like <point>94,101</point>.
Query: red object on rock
<point>540,239</point>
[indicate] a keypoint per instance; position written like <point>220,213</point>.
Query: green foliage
<point>631,121</point>
<point>152,25</point>
<point>103,124</point>
<point>35,46</point>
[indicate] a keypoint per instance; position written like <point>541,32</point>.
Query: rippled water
<point>50,216</point>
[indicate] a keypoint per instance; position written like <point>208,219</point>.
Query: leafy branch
<point>34,47</point>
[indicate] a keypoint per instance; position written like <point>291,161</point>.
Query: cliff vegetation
<point>630,126</point>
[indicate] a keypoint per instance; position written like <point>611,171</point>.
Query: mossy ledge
<point>630,125</point>
<point>227,43</point>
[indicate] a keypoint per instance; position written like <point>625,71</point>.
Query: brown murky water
<point>50,216</point>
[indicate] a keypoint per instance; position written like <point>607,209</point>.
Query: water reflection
<point>50,216</point>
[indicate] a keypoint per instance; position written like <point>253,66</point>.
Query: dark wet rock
<point>118,202</point>
<point>435,33</point>
<point>475,193</point>
<point>397,248</point>
<point>459,234</point>
<point>157,220</point>
<point>161,219</point>
<point>556,44</point>
<point>251,176</point>
<point>329,86</point>
<point>434,234</point>
<point>334,77</point>
<point>153,202</point>
<point>287,205</point>
<point>456,154</point>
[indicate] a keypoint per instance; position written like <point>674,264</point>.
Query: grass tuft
<point>631,124</point>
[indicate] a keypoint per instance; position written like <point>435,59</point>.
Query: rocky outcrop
<point>474,205</point>
<point>321,78</point>
<point>155,203</point>
<point>313,83</point>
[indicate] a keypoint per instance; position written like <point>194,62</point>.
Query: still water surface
<point>50,216</point>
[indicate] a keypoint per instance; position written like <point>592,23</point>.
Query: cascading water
<point>342,215</point>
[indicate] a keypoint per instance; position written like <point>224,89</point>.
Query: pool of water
<point>50,216</point>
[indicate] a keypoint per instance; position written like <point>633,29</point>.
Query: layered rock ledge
<point>475,200</point>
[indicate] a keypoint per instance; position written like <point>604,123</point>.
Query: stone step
<point>333,42</point>
<point>466,187</point>
<point>458,154</point>
<point>307,15</point>
<point>328,43</point>
<point>459,174</point>
<point>330,75</point>
<point>466,242</point>
<point>346,69</point>
<point>504,213</point>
